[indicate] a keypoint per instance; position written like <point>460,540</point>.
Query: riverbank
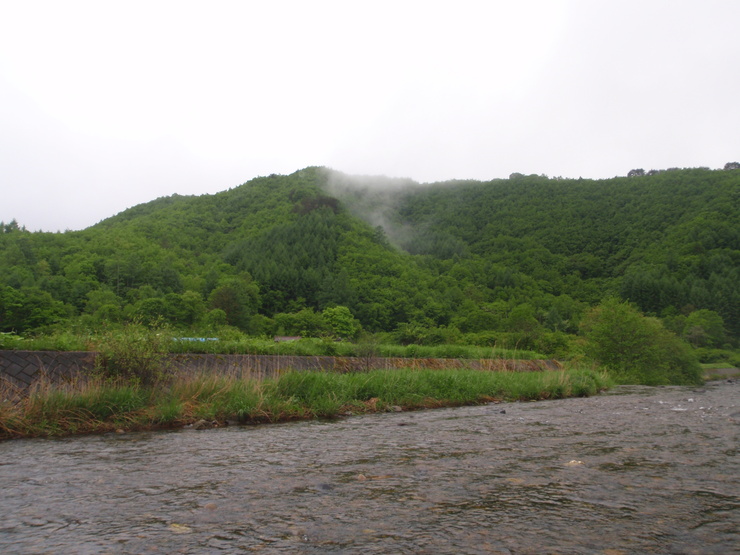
<point>719,372</point>
<point>207,400</point>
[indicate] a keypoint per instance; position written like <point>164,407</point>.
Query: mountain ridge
<point>465,257</point>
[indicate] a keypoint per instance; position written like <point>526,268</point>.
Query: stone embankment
<point>22,368</point>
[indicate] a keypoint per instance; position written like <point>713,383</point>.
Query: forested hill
<point>524,256</point>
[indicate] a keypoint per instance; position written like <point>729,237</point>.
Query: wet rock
<point>179,528</point>
<point>204,424</point>
<point>396,408</point>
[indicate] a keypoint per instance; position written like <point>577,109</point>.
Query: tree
<point>306,323</point>
<point>192,307</point>
<point>522,318</point>
<point>11,309</point>
<point>28,308</point>
<point>704,328</point>
<point>215,319</point>
<point>639,172</point>
<point>100,297</point>
<point>238,297</point>
<point>341,322</point>
<point>10,227</point>
<point>152,311</point>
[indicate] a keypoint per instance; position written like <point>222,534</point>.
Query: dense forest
<point>514,262</point>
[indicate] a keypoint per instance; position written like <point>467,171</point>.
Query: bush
<point>708,355</point>
<point>481,339</point>
<point>9,340</point>
<point>133,353</point>
<point>637,349</point>
<point>557,344</point>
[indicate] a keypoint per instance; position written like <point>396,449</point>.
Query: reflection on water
<point>650,471</point>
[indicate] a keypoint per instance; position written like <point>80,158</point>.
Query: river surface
<point>639,470</point>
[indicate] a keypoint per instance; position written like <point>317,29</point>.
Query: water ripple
<point>619,473</point>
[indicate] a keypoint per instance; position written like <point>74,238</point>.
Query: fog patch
<point>375,200</point>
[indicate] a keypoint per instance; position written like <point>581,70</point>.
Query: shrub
<point>9,340</point>
<point>556,343</point>
<point>707,355</point>
<point>133,353</point>
<point>635,348</point>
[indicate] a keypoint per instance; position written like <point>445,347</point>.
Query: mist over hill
<point>516,260</point>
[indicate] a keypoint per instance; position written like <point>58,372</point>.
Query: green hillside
<point>669,242</point>
<point>514,262</point>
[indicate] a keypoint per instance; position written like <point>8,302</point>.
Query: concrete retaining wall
<point>21,368</point>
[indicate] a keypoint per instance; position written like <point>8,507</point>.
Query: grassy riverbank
<point>210,400</point>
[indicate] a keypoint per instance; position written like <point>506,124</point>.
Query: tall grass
<point>321,347</point>
<point>57,341</point>
<point>47,409</point>
<point>426,388</point>
<point>103,406</point>
<point>117,343</point>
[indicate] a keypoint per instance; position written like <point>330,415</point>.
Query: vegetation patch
<point>636,275</point>
<point>509,264</point>
<point>636,349</point>
<point>99,405</point>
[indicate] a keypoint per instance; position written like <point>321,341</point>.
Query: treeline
<point>668,242</point>
<point>514,263</point>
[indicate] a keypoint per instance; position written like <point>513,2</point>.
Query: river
<point>637,470</point>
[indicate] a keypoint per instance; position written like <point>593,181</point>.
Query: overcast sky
<point>105,105</point>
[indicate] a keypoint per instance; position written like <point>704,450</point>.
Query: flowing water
<point>640,470</point>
